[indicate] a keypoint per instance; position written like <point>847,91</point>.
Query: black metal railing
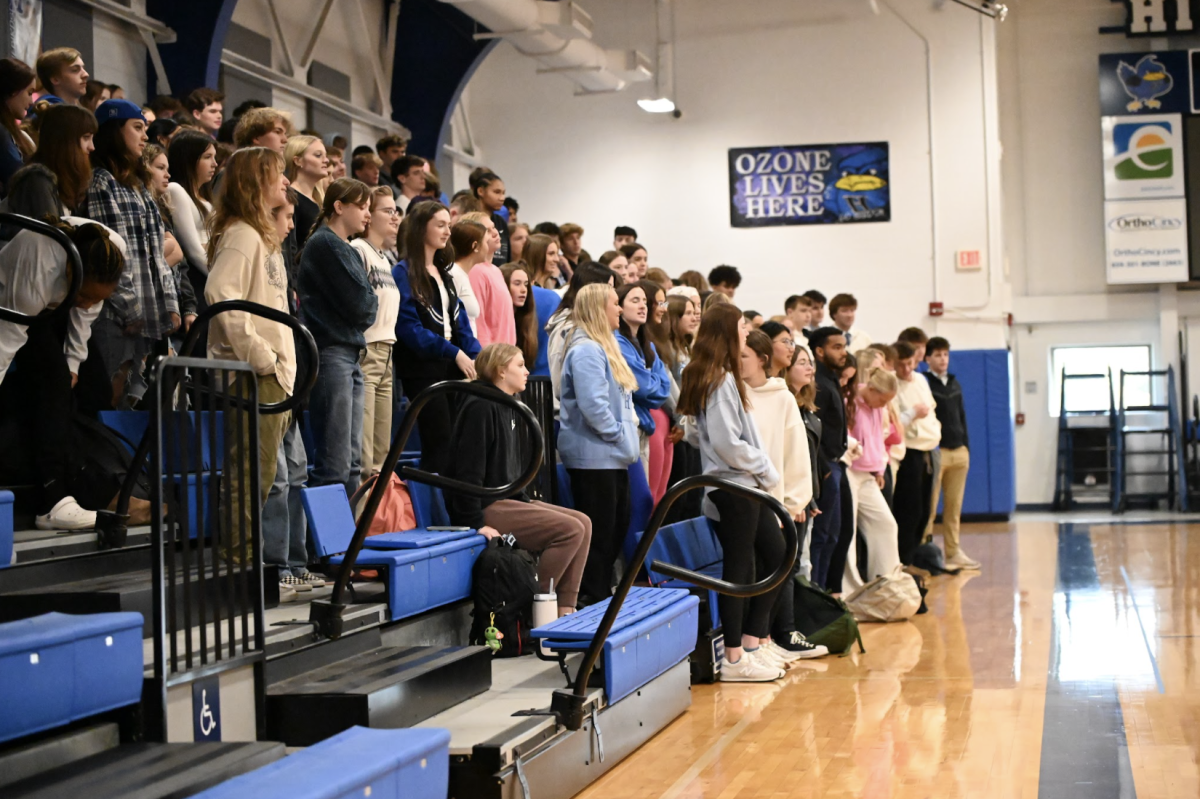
<point>74,270</point>
<point>208,599</point>
<point>326,615</point>
<point>113,526</point>
<point>568,704</point>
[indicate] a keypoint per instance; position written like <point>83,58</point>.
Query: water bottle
<point>545,610</point>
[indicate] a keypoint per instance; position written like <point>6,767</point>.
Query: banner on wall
<point>1145,83</point>
<point>1146,241</point>
<point>1143,156</point>
<point>24,29</point>
<point>809,184</point>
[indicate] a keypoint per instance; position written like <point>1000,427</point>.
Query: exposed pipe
<point>557,35</point>
<point>987,176</point>
<point>929,121</point>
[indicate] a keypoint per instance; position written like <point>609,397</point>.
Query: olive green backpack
<point>824,619</point>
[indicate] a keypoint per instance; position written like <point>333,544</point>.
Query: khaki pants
<point>376,367</point>
<point>951,479</point>
<point>270,434</point>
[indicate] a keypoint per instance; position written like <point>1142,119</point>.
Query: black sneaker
<point>796,642</point>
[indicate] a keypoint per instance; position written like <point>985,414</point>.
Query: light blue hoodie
<point>598,427</point>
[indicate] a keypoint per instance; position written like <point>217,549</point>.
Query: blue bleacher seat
<point>57,668</point>
<point>655,629</point>
<point>6,528</point>
<point>692,544</point>
<point>419,578</point>
<point>410,763</point>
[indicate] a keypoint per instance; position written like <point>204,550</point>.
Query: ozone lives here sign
<point>809,184</point>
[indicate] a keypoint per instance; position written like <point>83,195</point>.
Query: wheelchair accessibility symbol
<point>206,710</point>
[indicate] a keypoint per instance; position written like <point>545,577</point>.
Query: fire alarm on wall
<point>936,309</point>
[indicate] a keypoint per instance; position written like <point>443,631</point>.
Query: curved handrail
<point>73,260</point>
<point>568,704</point>
<point>327,616</point>
<point>113,525</point>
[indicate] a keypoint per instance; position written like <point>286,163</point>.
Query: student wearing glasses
<point>783,348</point>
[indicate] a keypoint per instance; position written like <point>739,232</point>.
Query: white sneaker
<point>961,560</point>
<point>67,515</point>
<point>748,669</point>
<point>764,655</point>
<point>780,653</point>
<point>286,593</point>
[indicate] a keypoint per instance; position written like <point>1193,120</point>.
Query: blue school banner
<point>809,184</point>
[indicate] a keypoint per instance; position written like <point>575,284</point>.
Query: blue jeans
<point>827,526</point>
<point>284,525</point>
<point>336,413</point>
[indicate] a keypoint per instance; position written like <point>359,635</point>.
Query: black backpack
<point>104,460</point>
<point>504,581</point>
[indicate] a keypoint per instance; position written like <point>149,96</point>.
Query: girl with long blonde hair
<point>599,432</point>
<point>308,171</point>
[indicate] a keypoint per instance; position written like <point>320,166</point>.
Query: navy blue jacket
<point>421,348</point>
<point>337,303</point>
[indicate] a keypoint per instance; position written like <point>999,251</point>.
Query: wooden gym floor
<point>1066,668</point>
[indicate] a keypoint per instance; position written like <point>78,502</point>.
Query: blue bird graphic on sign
<point>1145,82</point>
<point>861,191</point>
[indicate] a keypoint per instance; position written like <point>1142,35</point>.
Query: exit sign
<point>968,261</point>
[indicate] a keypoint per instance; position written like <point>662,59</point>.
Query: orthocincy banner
<point>809,184</point>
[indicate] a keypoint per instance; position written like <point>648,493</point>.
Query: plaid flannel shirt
<point>148,290</point>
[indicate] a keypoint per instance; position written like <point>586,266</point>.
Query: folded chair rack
<point>113,526</point>
<point>74,262</point>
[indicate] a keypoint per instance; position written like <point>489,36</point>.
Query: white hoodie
<point>785,441</point>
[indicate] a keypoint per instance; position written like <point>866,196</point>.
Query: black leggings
<point>783,615</point>
<point>436,422</point>
<point>602,495</point>
<point>837,563</point>
<point>914,496</point>
<point>747,530</point>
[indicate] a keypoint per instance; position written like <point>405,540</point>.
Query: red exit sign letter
<point>969,261</point>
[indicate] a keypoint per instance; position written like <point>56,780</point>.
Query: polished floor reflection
<point>1065,668</point>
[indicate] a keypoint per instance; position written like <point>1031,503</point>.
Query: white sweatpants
<point>873,519</point>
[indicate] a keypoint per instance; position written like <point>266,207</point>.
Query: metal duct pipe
<point>558,36</point>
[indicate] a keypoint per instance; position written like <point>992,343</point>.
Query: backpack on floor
<point>889,597</point>
<point>930,558</point>
<point>504,581</point>
<point>824,619</point>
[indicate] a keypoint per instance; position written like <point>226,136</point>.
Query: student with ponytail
<point>488,188</point>
<point>714,393</point>
<point>598,439</point>
<point>495,321</point>
<point>434,341</point>
<point>338,304</point>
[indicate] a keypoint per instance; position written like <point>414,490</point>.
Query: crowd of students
<point>175,207</point>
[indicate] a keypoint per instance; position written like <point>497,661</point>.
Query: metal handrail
<point>326,616</point>
<point>568,704</point>
<point>113,526</point>
<point>73,261</point>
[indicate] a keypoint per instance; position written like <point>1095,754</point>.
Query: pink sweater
<point>496,321</point>
<point>868,429</point>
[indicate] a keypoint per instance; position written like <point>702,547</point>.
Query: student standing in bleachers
<point>525,310</point>
<point>486,451</point>
<point>246,263</point>
<point>145,310</point>
<point>380,336</point>
<point>781,429</point>
<point>922,434</point>
<point>16,95</point>
<point>801,381</point>
<point>193,163</point>
<point>868,421</point>
<point>468,238</point>
<point>489,188</point>
<point>829,350</point>
<point>598,439</point>
<point>495,322</point>
<point>307,169</point>
<point>561,324</point>
<point>433,336</point>
<point>338,305</point>
<point>654,382</point>
<point>56,180</point>
<point>714,393</point>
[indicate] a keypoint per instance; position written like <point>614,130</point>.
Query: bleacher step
<point>38,545</point>
<point>386,687</point>
<point>148,771</point>
<point>57,751</point>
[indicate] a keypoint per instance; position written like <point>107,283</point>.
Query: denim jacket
<point>599,429</point>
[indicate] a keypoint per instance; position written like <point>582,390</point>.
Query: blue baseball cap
<point>118,109</point>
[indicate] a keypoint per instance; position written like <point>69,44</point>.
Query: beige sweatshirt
<point>785,441</point>
<point>243,268</point>
<point>920,434</point>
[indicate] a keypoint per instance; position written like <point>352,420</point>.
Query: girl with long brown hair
<point>56,180</point>
<point>598,437</point>
<point>338,304</point>
<point>193,162</point>
<point>246,263</point>
<point>639,305</point>
<point>541,256</point>
<point>714,393</point>
<point>520,288</point>
<point>495,321</point>
<point>17,82</point>
<point>434,338</point>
